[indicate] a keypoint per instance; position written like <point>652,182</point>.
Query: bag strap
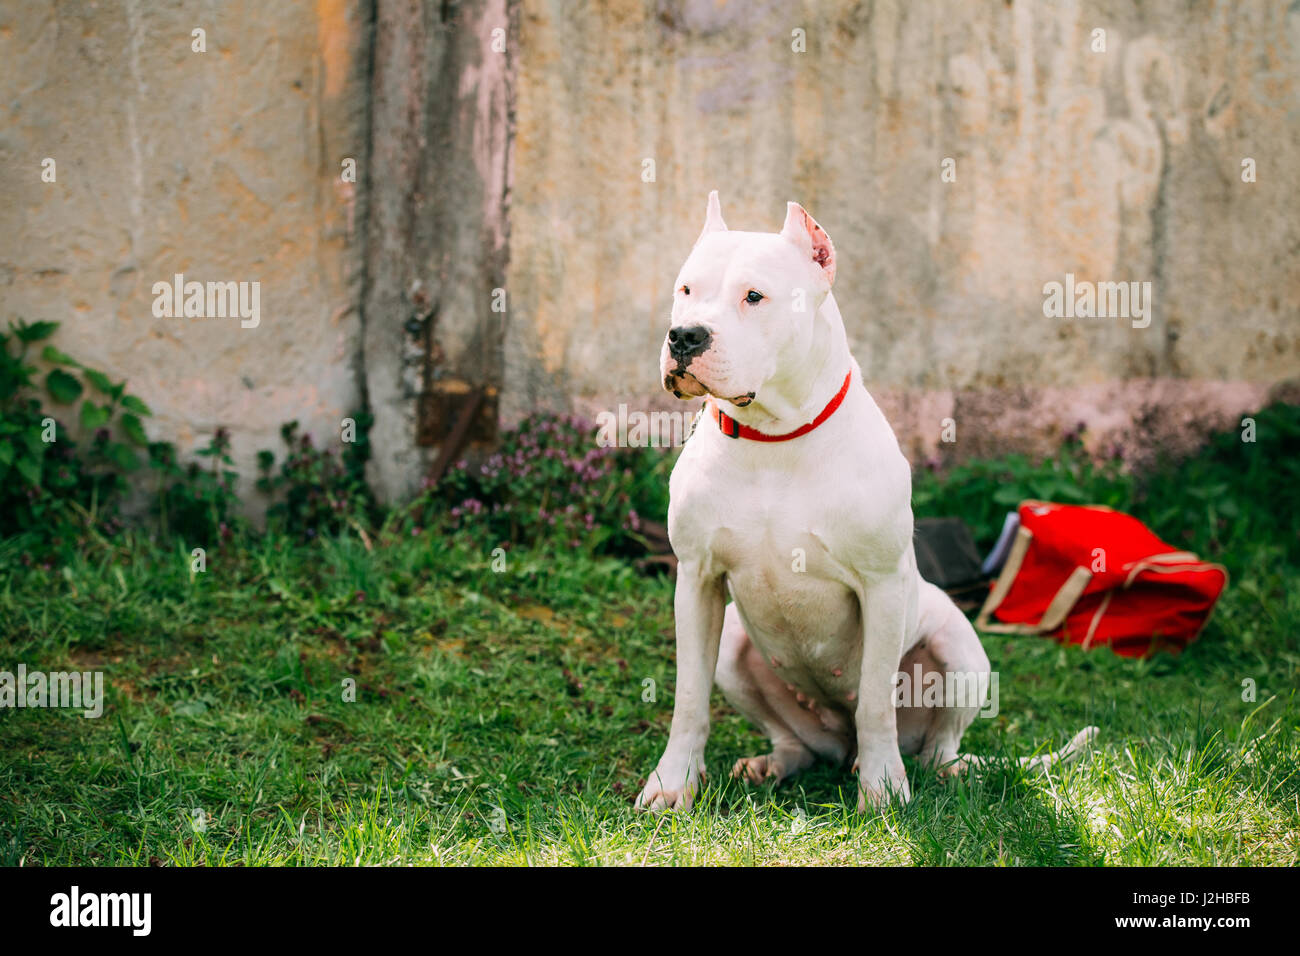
<point>1057,609</point>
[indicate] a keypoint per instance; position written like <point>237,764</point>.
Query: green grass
<point>500,717</point>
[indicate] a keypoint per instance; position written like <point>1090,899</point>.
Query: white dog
<point>793,497</point>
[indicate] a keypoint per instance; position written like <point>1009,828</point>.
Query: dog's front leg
<point>879,765</point>
<point>698,606</point>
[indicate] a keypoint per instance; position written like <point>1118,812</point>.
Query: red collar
<point>733,429</point>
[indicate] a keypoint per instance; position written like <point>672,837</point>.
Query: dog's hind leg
<point>951,649</point>
<point>798,737</point>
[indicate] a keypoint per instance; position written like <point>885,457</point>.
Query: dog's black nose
<point>688,342</point>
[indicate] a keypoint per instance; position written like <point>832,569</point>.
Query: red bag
<point>1091,575</point>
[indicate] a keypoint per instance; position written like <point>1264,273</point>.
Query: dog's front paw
<point>778,765</point>
<point>670,788</point>
<point>876,789</point>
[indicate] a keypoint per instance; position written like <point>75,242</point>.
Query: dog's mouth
<point>685,385</point>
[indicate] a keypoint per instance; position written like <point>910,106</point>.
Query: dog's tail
<point>1040,762</point>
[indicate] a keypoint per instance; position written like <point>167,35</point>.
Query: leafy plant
<point>551,482</point>
<point>44,483</point>
<point>316,491</point>
<point>1234,496</point>
<point>195,502</point>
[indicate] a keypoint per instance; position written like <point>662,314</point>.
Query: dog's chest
<point>795,601</point>
<point>782,547</point>
<point>797,532</point>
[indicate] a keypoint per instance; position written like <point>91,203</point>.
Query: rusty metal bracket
<point>453,414</point>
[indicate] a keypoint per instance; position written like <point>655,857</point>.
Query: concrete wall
<point>225,165</point>
<point>1115,165</point>
<point>436,230</point>
<point>221,165</point>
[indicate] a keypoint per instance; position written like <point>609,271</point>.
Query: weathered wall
<point>1115,165</point>
<point>438,185</point>
<point>223,165</point>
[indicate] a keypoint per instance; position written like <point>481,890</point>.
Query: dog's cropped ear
<point>713,217</point>
<point>802,229</point>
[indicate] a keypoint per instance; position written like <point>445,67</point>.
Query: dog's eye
<point>754,296</point>
<point>686,290</point>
